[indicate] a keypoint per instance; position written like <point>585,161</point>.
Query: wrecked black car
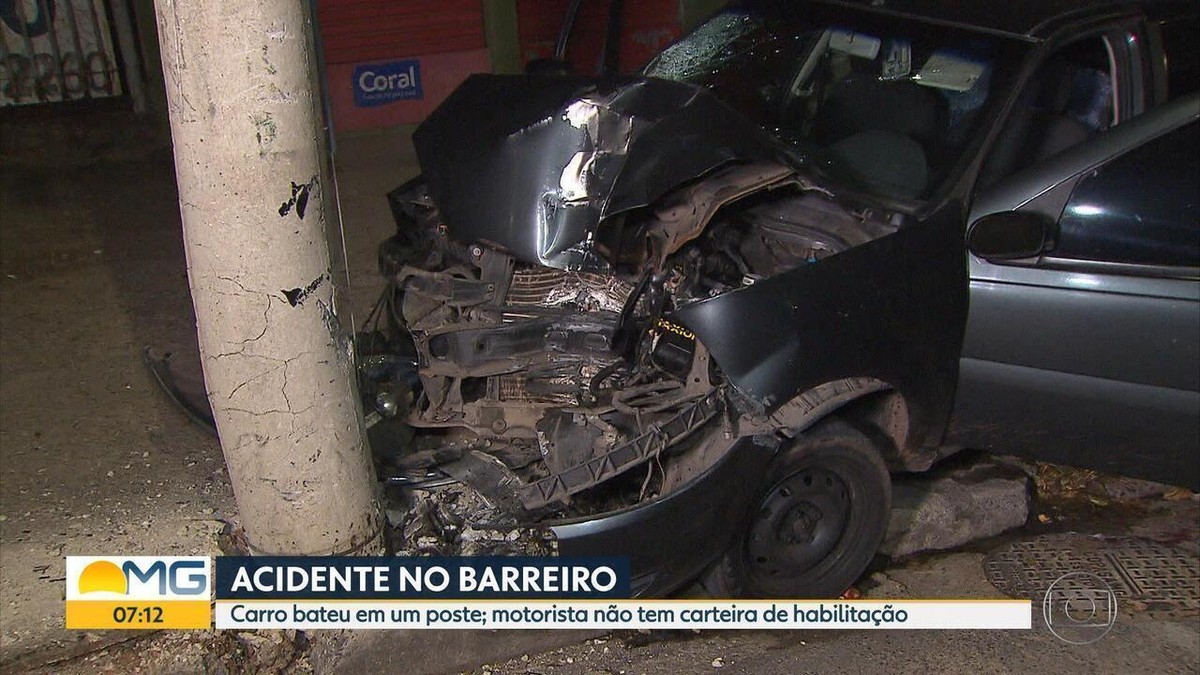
<point>696,316</point>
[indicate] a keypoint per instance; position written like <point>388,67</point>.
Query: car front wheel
<point>817,524</point>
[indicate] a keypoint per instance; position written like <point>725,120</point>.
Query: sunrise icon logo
<point>103,575</point>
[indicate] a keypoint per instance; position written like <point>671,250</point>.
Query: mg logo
<point>137,577</point>
<point>184,577</point>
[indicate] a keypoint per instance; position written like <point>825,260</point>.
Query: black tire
<point>817,524</point>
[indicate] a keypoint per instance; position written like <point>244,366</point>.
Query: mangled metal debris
<point>455,520</point>
<point>588,308</point>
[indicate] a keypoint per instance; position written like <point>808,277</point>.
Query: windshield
<point>883,104</point>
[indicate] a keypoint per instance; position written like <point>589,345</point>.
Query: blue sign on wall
<point>381,83</point>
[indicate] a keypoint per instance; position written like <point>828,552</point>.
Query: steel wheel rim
<point>801,521</point>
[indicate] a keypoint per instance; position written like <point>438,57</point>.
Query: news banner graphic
<point>523,593</point>
<point>138,592</point>
<point>310,593</point>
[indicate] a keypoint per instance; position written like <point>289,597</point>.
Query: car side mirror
<point>1009,235</point>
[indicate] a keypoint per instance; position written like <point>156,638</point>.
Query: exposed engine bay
<point>560,393</point>
<point>611,304</point>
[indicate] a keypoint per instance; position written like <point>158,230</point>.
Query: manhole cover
<point>1144,575</point>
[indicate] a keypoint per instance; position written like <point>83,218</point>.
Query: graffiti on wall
<point>55,50</point>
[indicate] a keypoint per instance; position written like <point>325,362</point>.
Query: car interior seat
<point>862,102</point>
<point>881,130</point>
<point>1045,119</point>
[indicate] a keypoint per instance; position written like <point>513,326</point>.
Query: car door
<point>1089,352</point>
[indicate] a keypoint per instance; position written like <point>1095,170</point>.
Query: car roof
<point>1030,19</point>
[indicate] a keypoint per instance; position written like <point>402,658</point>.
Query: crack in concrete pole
<point>282,388</point>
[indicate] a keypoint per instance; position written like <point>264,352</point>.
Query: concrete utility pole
<point>250,160</point>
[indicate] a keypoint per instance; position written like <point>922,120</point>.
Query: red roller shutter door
<point>646,27</point>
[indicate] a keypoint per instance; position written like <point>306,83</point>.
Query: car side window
<point>1070,97</point>
<point>1143,207</point>
<point>1181,42</point>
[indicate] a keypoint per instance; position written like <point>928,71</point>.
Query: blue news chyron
<point>379,578</point>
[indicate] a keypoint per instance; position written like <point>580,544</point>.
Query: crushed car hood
<point>535,164</point>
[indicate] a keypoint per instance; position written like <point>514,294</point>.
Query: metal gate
<point>56,50</point>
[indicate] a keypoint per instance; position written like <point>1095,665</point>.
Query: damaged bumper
<point>676,537</point>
